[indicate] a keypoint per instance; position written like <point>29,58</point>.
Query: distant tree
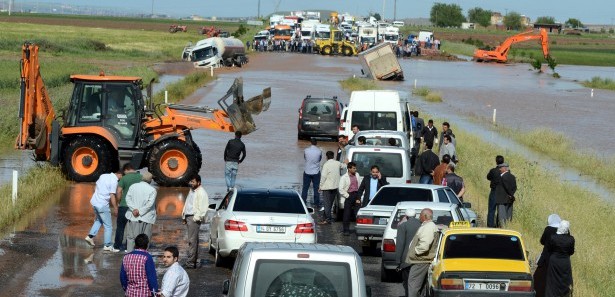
<point>545,20</point>
<point>480,16</point>
<point>446,15</point>
<point>574,23</point>
<point>377,16</point>
<point>512,21</point>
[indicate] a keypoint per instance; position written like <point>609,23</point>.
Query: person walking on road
<point>440,171</point>
<point>494,179</point>
<point>193,214</point>
<point>329,183</point>
<point>130,177</point>
<point>505,194</point>
<point>370,185</point>
<point>104,195</point>
<point>175,282</point>
<point>138,271</point>
<point>429,134</point>
<point>348,189</point>
<point>559,273</point>
<point>421,253</point>
<point>448,148</point>
<point>234,153</point>
<point>406,229</point>
<point>540,275</point>
<point>311,173</point>
<point>426,164</point>
<point>141,214</point>
<point>454,181</point>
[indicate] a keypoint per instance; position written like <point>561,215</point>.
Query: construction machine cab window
<point>90,103</point>
<point>338,36</point>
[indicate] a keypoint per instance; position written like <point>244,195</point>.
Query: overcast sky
<point>588,11</point>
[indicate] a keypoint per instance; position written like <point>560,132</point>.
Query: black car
<point>319,117</point>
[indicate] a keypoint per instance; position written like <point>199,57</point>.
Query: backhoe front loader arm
<point>35,109</point>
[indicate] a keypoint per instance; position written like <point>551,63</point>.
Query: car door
<point>217,222</point>
<point>434,267</point>
<point>455,200</point>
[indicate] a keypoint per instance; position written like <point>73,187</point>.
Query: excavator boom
<point>500,53</point>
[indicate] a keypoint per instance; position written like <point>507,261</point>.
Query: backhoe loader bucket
<point>240,112</point>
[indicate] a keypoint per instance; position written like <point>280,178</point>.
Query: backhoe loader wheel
<point>326,50</point>
<point>86,158</point>
<point>173,163</point>
<point>347,51</point>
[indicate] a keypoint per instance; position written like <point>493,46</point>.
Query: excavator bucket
<point>240,111</point>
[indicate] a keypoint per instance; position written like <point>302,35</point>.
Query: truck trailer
<point>380,62</point>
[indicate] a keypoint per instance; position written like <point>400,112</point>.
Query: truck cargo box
<point>380,62</point>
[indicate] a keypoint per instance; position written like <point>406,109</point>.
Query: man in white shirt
<point>141,214</point>
<point>104,194</point>
<point>195,209</point>
<point>311,174</point>
<point>175,282</point>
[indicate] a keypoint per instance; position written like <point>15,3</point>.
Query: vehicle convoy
<point>480,262</point>
<point>380,62</point>
<point>296,269</point>
<point>336,45</point>
<point>109,122</point>
<point>500,53</point>
<point>216,52</point>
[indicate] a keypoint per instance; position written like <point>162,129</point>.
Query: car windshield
<point>392,195</point>
<point>268,202</point>
<point>483,246</point>
<point>440,217</point>
<point>203,54</point>
<point>301,279</point>
<point>390,164</point>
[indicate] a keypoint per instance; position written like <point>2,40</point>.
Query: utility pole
<point>258,12</point>
<point>10,6</point>
<point>152,8</point>
<point>382,16</point>
<point>395,10</point>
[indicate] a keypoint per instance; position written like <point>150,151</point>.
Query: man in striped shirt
<point>138,271</point>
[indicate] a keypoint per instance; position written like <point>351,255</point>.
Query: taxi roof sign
<point>460,224</point>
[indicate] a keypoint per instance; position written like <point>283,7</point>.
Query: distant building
<point>497,18</point>
<point>525,21</point>
<point>550,27</point>
<point>467,25</point>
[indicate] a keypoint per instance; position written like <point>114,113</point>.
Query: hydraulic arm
<point>500,53</point>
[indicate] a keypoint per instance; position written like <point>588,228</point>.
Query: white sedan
<point>259,215</point>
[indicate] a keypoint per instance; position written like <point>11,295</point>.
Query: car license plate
<point>484,286</point>
<point>312,123</point>
<point>383,221</point>
<point>270,229</point>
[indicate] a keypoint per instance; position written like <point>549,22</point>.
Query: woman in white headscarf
<point>540,274</point>
<point>559,273</point>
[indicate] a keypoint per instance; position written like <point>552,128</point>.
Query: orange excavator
<point>500,53</point>
<point>109,122</point>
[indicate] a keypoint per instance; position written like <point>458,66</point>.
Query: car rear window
<point>266,202</point>
<point>301,278</point>
<point>440,217</point>
<point>483,246</point>
<point>390,164</point>
<point>374,120</point>
<point>319,108</point>
<point>378,140</point>
<point>392,195</point>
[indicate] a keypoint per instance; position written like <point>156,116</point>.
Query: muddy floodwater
<point>45,254</point>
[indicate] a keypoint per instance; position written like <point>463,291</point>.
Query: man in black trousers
<point>494,178</point>
<point>505,194</point>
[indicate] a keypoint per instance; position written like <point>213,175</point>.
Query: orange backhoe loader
<point>109,122</point>
<point>500,53</point>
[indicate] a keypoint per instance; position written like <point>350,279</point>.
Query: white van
<point>376,110</point>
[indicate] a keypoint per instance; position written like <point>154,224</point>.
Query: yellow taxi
<point>480,262</point>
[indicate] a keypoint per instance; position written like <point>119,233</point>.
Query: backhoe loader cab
<point>108,124</point>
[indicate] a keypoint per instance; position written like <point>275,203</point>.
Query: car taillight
<point>408,181</point>
<point>520,286</point>
<point>232,225</point>
<point>304,228</point>
<point>337,111</point>
<point>342,125</point>
<point>451,284</point>
<point>301,110</point>
<point>388,245</point>
<point>365,220</point>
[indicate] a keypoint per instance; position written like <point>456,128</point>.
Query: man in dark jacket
<point>494,178</point>
<point>370,185</point>
<point>234,153</point>
<point>505,194</point>
<point>405,232</point>
<point>425,165</point>
<point>429,133</point>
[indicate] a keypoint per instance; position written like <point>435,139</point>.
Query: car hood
<point>488,265</point>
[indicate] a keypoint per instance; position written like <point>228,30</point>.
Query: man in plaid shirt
<point>138,271</point>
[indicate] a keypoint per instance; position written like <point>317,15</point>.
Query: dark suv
<point>319,117</point>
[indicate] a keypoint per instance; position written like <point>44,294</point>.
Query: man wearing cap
<point>141,214</point>
<point>406,229</point>
<point>505,194</point>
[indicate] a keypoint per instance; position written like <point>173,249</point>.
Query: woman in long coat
<point>559,273</point>
<point>540,275</point>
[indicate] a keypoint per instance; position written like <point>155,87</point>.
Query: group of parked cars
<point>271,232</point>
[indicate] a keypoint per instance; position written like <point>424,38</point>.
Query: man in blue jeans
<point>234,153</point>
<point>104,194</point>
<point>312,156</point>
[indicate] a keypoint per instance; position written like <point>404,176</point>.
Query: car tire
<point>219,260</point>
<point>300,136</point>
<point>388,276</point>
<point>211,249</point>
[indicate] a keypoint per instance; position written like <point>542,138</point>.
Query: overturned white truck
<point>380,62</point>
<point>216,52</point>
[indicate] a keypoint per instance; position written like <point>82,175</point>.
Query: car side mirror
<point>212,206</point>
<point>225,286</point>
<point>310,210</point>
<point>368,291</point>
<point>467,205</point>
